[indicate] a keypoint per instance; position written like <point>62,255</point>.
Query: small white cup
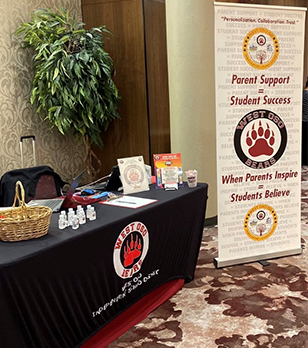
<point>191,176</point>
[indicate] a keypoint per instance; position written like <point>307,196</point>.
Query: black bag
<point>114,182</point>
<point>39,182</point>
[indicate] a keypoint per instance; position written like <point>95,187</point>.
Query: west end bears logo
<point>130,249</point>
<point>260,48</point>
<point>260,139</point>
<point>260,222</point>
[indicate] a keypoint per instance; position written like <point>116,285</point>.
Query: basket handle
<point>21,200</point>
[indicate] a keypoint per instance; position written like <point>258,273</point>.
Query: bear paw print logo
<point>132,251</point>
<point>260,141</point>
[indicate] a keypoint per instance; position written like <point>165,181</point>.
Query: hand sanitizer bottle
<point>70,216</point>
<point>88,211</point>
<point>75,223</point>
<point>62,222</point>
<point>81,215</point>
<point>92,214</point>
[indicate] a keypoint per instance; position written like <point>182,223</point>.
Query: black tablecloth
<point>58,290</point>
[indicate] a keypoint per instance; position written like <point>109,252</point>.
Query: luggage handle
<point>27,137</point>
<point>33,147</point>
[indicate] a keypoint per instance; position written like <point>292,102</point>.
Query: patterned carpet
<point>246,306</point>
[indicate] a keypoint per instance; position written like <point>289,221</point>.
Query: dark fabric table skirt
<point>134,314</point>
<point>58,290</point>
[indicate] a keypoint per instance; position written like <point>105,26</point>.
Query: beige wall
<point>190,45</point>
<point>17,116</point>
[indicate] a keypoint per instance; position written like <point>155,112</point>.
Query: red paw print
<point>132,251</point>
<point>260,142</point>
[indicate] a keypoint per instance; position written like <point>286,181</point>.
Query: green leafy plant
<point>73,84</point>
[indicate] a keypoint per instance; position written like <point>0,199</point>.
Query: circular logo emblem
<point>260,222</point>
<point>130,249</point>
<point>260,139</point>
<point>260,48</point>
<point>260,215</point>
<point>133,175</point>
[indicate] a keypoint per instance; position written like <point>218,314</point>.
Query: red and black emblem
<point>260,139</point>
<point>130,249</point>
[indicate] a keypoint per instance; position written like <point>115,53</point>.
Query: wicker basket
<point>23,222</point>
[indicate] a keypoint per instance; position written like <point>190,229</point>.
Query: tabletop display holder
<point>133,174</point>
<point>168,169</point>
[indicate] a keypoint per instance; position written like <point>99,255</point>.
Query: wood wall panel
<point>128,136</point>
<point>157,75</point>
<point>139,50</point>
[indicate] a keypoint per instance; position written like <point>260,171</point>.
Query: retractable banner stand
<point>259,75</point>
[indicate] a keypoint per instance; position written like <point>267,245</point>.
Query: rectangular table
<point>60,289</point>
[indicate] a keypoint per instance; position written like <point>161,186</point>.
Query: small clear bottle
<point>88,211</point>
<point>70,216</point>
<point>81,215</point>
<point>63,214</point>
<point>75,223</point>
<point>62,223</point>
<point>92,214</point>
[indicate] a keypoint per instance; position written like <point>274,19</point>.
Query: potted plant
<point>73,84</point>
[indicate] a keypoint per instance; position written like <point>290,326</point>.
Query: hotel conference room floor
<point>245,306</point>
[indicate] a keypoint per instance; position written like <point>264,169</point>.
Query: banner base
<point>220,264</point>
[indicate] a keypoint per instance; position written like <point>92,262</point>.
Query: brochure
<point>169,175</point>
